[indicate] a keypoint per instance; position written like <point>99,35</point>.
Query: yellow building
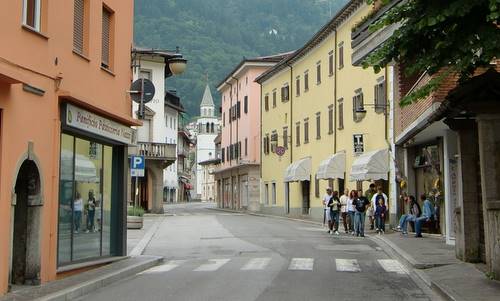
<point>324,122</point>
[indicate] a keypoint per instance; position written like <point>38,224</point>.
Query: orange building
<point>65,119</point>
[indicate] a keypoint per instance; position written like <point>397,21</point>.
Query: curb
<point>85,288</point>
<point>144,242</point>
<point>268,215</point>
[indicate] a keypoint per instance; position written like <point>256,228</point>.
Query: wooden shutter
<point>274,99</point>
<point>297,134</point>
<point>306,131</point>
<point>330,119</point>
<point>285,137</point>
<point>106,27</point>
<point>341,56</point>
<point>297,86</point>
<point>306,81</point>
<point>341,115</point>
<point>78,23</point>
<point>266,102</point>
<point>330,64</point>
<point>316,187</point>
<point>245,105</point>
<point>238,109</point>
<point>246,146</point>
<point>318,73</point>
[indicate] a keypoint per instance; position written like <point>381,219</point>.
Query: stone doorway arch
<point>26,225</point>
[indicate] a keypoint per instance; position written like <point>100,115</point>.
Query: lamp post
<point>361,112</point>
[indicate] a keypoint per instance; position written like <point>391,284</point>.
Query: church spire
<point>207,100</point>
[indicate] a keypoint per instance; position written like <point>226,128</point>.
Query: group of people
<point>90,209</point>
<point>353,207</point>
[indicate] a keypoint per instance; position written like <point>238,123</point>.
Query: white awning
<point>85,169</point>
<point>372,165</point>
<point>299,170</point>
<point>332,168</point>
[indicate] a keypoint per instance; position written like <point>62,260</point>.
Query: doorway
<point>25,265</point>
<point>306,186</point>
<point>287,198</point>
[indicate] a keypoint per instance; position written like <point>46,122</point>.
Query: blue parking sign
<point>137,165</point>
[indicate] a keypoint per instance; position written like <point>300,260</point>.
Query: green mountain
<point>214,35</point>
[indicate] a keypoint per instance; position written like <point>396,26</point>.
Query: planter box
<point>134,222</point>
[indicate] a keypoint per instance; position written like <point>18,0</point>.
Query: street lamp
<point>177,65</point>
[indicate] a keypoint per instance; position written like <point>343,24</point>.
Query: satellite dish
<point>142,90</point>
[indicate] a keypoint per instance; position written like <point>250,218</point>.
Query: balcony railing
<point>155,151</point>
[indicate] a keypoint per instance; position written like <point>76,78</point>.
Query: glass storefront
<point>85,200</point>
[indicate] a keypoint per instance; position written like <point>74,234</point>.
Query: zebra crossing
<point>262,263</point>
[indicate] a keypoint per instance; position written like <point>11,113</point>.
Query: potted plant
<point>135,217</point>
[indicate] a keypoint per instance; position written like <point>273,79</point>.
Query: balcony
<point>154,151</point>
<point>364,41</point>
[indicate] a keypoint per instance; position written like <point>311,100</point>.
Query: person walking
<point>77,212</point>
<point>360,204</point>
<point>369,193</point>
<point>327,220</point>
<point>350,209</point>
<point>380,213</point>
<point>334,205</point>
<point>427,215</point>
<point>413,213</point>
<point>343,209</point>
<point>380,195</point>
<point>90,212</point>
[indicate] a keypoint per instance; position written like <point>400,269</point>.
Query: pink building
<point>238,177</point>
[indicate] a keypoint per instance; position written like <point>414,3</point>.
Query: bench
<point>431,226</point>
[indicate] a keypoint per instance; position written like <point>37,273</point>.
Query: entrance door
<point>244,191</point>
<point>27,214</point>
<point>306,186</point>
<point>287,198</point>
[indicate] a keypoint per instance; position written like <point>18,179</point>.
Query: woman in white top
<point>77,212</point>
<point>350,209</point>
<point>343,208</point>
<point>326,217</point>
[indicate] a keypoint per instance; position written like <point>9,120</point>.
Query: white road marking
<point>392,266</point>
<point>301,264</point>
<point>256,264</point>
<point>347,265</point>
<point>172,264</point>
<point>214,265</point>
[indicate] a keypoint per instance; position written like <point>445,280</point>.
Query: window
<point>246,146</point>
<point>212,130</point>
<point>266,144</point>
<point>274,194</point>
<point>341,113</point>
<point>208,128</point>
<point>357,104</point>
<point>224,119</point>
<point>223,156</point>
<point>306,130</point>
<point>318,125</point>
<point>297,134</point>
<point>316,187</point>
<point>245,105</point>
<point>274,141</point>
<point>239,149</point>
<point>79,27</point>
<point>145,74</point>
<point>297,86</point>
<point>306,81</point>
<point>330,119</point>
<point>285,93</point>
<point>330,63</point>
<point>32,13</point>
<point>285,137</point>
<point>106,38</point>
<point>341,55</point>
<point>238,109</point>
<point>266,196</point>
<point>266,102</point>
<point>318,72</point>
<point>274,98</point>
<point>380,96</point>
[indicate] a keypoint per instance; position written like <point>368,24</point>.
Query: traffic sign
<point>280,150</point>
<point>137,165</point>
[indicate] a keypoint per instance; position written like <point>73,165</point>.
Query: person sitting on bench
<point>427,215</point>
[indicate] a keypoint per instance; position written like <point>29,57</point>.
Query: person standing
<point>380,213</point>
<point>371,209</point>
<point>343,209</point>
<point>77,212</point>
<point>380,195</point>
<point>360,205</point>
<point>427,215</point>
<point>91,203</point>
<point>327,220</point>
<point>350,209</point>
<point>334,205</point>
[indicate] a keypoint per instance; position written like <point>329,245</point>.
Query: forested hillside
<point>214,35</point>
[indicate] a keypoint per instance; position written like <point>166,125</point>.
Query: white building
<point>157,136</point>
<point>208,126</point>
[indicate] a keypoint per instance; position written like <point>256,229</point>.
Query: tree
<point>457,36</point>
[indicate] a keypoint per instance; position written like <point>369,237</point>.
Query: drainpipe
<point>290,95</point>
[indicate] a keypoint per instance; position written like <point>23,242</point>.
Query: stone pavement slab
<point>134,236</point>
<point>83,283</point>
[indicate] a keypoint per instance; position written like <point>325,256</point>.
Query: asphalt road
<point>213,255</point>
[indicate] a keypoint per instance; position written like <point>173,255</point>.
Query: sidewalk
<point>437,266</point>
<point>137,240</point>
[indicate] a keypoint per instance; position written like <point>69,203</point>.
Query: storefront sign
<point>90,122</point>
<point>359,146</point>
